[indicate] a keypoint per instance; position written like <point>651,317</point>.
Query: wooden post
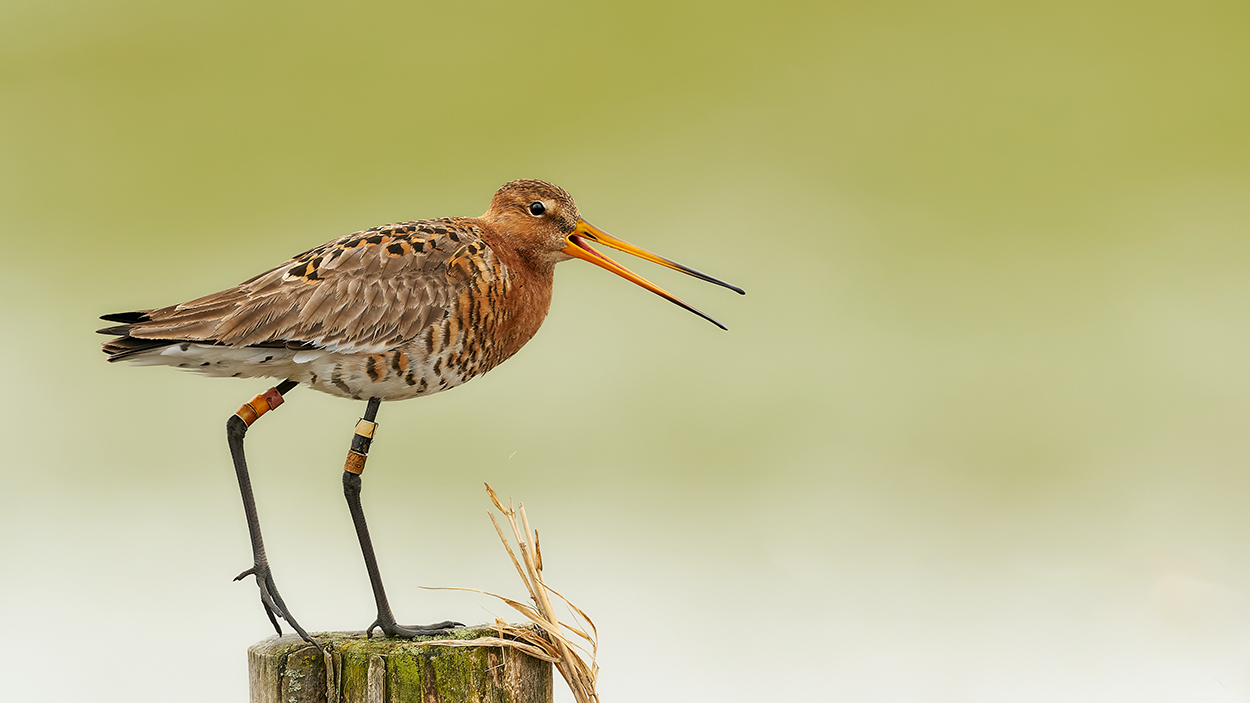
<point>358,670</point>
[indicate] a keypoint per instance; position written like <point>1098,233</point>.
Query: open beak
<point>578,246</point>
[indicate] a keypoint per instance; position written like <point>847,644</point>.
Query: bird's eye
<point>537,209</point>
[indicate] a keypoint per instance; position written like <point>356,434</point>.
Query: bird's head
<point>536,217</point>
<point>541,220</point>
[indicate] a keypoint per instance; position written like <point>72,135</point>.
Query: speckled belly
<point>443,356</point>
<point>398,374</point>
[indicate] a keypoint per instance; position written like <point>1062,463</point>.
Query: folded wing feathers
<point>361,299</point>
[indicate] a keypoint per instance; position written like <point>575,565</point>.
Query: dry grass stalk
<point>565,645</point>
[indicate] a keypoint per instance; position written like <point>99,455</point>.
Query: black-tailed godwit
<point>390,313</point>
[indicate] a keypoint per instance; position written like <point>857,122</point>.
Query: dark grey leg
<point>351,489</point>
<point>236,430</point>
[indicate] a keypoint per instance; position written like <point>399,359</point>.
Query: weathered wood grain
<point>354,669</point>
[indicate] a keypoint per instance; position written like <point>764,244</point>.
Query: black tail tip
<point>128,318</point>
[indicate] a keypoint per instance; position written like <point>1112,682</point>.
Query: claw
<point>271,600</point>
<point>391,629</point>
<point>444,625</point>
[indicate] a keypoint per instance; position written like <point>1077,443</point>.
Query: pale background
<point>980,431</point>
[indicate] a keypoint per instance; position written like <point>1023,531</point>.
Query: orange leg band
<point>252,410</point>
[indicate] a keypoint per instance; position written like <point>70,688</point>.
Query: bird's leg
<point>356,457</point>
<point>236,429</point>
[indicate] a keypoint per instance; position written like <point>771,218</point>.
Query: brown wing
<point>365,292</point>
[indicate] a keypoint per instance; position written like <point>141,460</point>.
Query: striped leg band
<point>360,446</point>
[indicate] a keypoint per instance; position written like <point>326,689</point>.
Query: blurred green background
<point>978,432</point>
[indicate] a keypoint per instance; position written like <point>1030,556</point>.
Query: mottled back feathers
<point>362,293</point>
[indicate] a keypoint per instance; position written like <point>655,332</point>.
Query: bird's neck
<point>528,296</point>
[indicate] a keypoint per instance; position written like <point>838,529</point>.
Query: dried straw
<point>557,641</point>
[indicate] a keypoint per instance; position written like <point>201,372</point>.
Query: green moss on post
<point>359,670</point>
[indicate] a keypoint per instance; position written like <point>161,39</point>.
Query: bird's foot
<point>389,628</point>
<point>272,600</point>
